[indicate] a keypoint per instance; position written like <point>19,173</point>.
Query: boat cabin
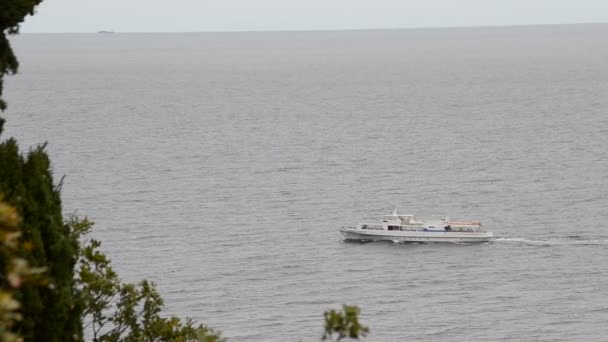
<point>399,222</point>
<point>399,219</point>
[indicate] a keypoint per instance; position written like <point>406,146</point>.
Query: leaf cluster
<point>344,324</point>
<point>16,272</point>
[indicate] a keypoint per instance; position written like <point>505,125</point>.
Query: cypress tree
<point>50,312</point>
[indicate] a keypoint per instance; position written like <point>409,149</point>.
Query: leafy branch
<point>342,324</point>
<point>117,311</point>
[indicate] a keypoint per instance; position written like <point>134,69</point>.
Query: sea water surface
<point>220,166</point>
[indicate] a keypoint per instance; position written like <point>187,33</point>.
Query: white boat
<point>405,228</point>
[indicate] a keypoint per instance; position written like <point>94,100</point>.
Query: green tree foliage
<point>342,324</point>
<point>82,287</point>
<point>12,14</point>
<point>50,313</point>
<point>16,272</point>
<point>119,311</point>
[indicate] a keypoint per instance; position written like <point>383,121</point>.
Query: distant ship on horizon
<point>103,31</point>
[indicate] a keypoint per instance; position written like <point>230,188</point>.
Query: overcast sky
<point>255,15</point>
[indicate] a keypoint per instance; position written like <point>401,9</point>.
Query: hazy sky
<point>247,15</point>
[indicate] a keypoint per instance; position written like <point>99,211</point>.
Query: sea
<point>221,166</point>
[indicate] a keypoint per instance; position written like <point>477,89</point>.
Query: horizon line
<point>113,31</point>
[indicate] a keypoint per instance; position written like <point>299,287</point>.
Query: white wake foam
<point>554,242</point>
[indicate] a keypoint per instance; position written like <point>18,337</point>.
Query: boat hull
<point>415,236</point>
